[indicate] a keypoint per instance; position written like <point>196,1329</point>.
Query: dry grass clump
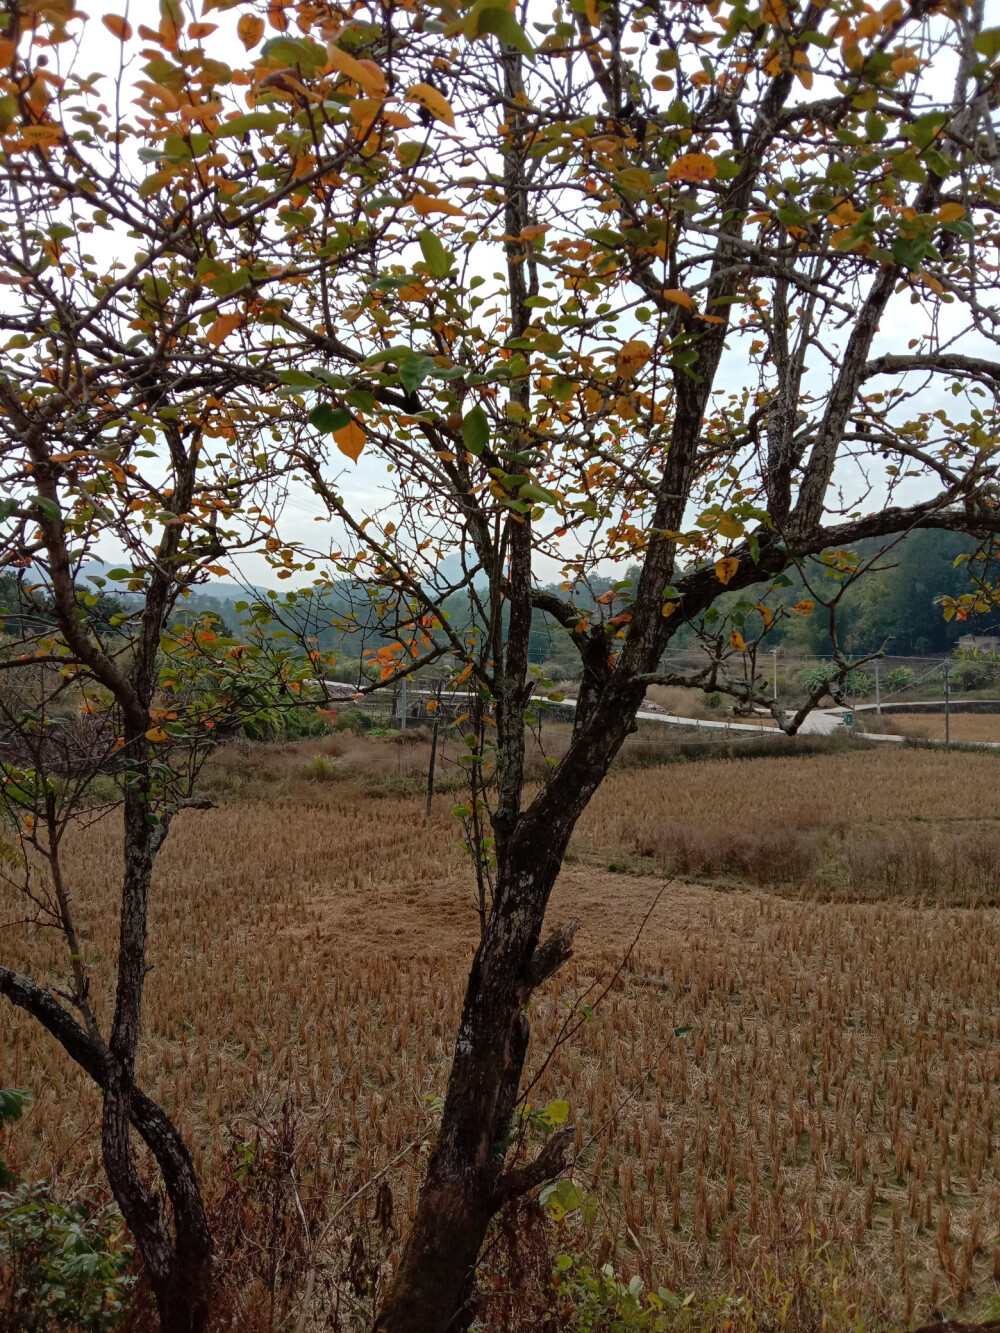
<point>828,1124</point>
<point>868,825</point>
<point>930,726</point>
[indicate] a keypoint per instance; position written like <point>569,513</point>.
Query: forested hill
<point>897,600</point>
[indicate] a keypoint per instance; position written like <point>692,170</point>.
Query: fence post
<point>430,766</point>
<point>878,698</point>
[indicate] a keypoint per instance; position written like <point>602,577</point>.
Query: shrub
<point>354,720</point>
<point>62,1265</point>
<point>899,678</point>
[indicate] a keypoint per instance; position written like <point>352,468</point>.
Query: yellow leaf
<point>432,101</point>
<point>424,204</point>
<point>250,30</point>
<point>950,213</point>
<point>726,568</point>
<point>774,11</point>
<point>156,734</point>
<point>350,440</point>
<point>118,26</point>
<point>766,614</point>
<point>223,327</point>
<point>40,136</point>
<point>737,641</point>
<point>632,356</point>
<point>677,296</point>
<point>592,12</point>
<point>365,73</point>
<point>730,527</point>
<point>805,608</point>
<point>669,608</point>
<point>692,167</point>
<point>636,179</point>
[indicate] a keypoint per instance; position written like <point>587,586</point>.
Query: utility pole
<point>878,698</point>
<point>434,746</point>
<point>402,707</point>
<point>947,703</point>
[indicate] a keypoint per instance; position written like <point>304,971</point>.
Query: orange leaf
<point>223,327</point>
<point>250,30</point>
<point>220,570</point>
<point>774,11</point>
<point>677,296</point>
<point>692,167</point>
<point>737,641</point>
<point>7,49</point>
<point>632,356</point>
<point>534,232</point>
<point>196,31</point>
<point>725,569</point>
<point>350,440</point>
<point>365,73</point>
<point>805,608</point>
<point>118,26</point>
<point>425,204</point>
<point>432,101</point>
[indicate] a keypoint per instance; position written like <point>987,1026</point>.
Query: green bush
<point>354,720</point>
<point>63,1266</point>
<point>899,678</point>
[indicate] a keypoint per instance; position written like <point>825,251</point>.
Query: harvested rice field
<point>784,1088</point>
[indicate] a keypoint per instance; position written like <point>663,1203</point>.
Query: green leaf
<point>330,419</point>
<point>48,507</point>
<point>476,431</point>
<point>681,1032</point>
<point>413,370</point>
<point>301,54</point>
<point>539,494</point>
<point>909,252</point>
<point>298,379</point>
<point>7,507</point>
<point>924,129</point>
<point>987,43</point>
<point>437,258</point>
<point>486,16</point>
<point>267,121</point>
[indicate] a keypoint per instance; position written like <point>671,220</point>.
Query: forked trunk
<point>183,1298</point>
<point>466,1182</point>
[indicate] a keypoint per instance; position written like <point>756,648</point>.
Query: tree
<point>129,254</point>
<point>677,288</point>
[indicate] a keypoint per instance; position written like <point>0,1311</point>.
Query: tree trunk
<point>183,1296</point>
<point>465,1183</point>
